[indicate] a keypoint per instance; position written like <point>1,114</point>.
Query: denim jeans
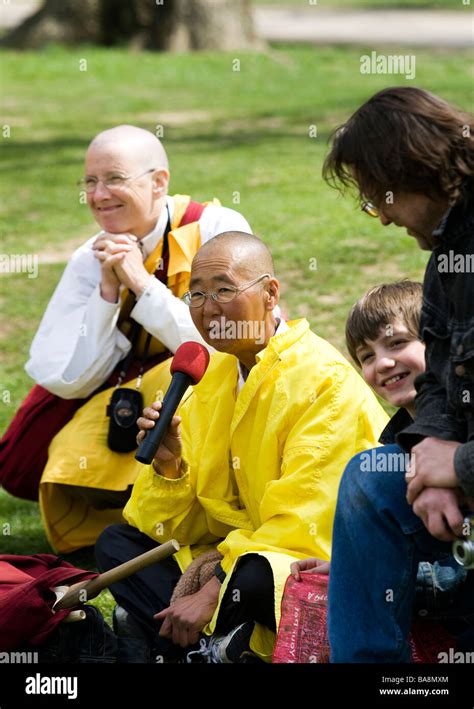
<point>88,641</point>
<point>378,543</point>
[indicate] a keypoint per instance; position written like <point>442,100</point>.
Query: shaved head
<point>146,149</point>
<point>240,265</point>
<point>137,155</point>
<point>249,255</point>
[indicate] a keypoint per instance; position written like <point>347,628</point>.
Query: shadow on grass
<point>220,136</point>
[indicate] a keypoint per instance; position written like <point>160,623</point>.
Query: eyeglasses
<point>89,184</point>
<point>196,298</point>
<point>370,209</point>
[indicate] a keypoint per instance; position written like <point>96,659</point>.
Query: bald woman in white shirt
<point>78,344</point>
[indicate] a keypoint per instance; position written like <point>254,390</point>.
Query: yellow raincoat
<point>264,465</point>
<point>78,454</point>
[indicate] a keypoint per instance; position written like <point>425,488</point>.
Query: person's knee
<point>350,486</point>
<point>253,579</point>
<point>109,548</point>
<point>376,477</point>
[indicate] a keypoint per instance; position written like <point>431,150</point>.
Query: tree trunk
<point>169,25</point>
<point>67,21</point>
<point>210,24</point>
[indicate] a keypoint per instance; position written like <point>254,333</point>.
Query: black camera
<point>124,409</point>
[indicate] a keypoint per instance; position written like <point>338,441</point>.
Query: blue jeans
<point>378,543</point>
<point>89,641</point>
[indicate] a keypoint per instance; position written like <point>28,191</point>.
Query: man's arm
<point>464,467</point>
<point>184,620</point>
<point>164,502</point>
<point>433,416</point>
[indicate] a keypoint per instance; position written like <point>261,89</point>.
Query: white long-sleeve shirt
<point>78,344</point>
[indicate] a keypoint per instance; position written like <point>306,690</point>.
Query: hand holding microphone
<point>162,436</point>
<point>168,455</point>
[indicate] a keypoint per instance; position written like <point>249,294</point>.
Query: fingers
<point>410,469</point>
<point>177,634</point>
<point>309,566</point>
<point>107,239</point>
<point>166,629</point>
<point>144,424</point>
<point>193,636</point>
<point>149,415</point>
<point>295,571</point>
<point>106,254</point>
<point>310,563</point>
<point>118,248</point>
<point>175,631</point>
<point>438,528</point>
<point>414,488</point>
<point>454,520</point>
<point>109,262</point>
<point>321,568</point>
<point>174,428</point>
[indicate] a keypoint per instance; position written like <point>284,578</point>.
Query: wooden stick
<point>86,590</point>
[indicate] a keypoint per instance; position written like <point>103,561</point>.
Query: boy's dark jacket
<point>445,391</point>
<point>399,421</point>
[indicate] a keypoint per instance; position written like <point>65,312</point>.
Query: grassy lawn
<point>242,136</point>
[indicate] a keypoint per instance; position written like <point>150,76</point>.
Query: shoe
<point>224,649</point>
<point>133,643</point>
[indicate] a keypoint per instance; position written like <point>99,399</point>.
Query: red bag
<point>27,598</point>
<point>302,634</point>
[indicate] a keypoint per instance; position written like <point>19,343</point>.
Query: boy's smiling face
<point>391,363</point>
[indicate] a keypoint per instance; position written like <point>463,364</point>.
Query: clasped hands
<point>433,488</point>
<point>121,264</point>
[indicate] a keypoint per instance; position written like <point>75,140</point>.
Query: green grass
<point>226,132</point>
<point>22,533</point>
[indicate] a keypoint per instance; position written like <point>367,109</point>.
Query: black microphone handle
<point>150,444</point>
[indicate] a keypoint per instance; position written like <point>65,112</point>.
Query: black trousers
<point>249,595</point>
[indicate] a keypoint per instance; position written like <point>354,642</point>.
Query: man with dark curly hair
<point>411,157</point>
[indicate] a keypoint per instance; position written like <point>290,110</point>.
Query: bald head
<point>249,256</point>
<point>236,269</point>
<point>137,143</point>
<point>134,205</point>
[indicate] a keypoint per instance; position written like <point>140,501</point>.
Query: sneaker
<point>125,626</point>
<point>224,649</point>
<point>133,643</point>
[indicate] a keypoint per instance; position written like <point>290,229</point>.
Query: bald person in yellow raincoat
<point>250,467</point>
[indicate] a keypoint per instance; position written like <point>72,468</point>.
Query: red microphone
<point>188,367</point>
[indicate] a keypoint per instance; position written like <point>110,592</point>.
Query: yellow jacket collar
<point>281,342</point>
